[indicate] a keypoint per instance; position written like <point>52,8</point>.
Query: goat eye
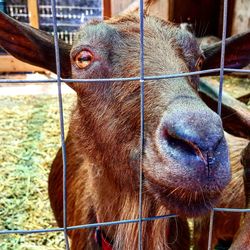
<point>83,59</point>
<point>199,63</point>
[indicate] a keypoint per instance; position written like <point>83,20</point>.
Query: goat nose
<point>200,130</point>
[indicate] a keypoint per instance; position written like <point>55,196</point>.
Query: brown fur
<point>242,238</point>
<point>103,186</point>
<point>96,190</point>
<point>226,224</point>
<point>88,197</point>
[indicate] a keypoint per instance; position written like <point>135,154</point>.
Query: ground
<point>236,86</point>
<point>30,138</point>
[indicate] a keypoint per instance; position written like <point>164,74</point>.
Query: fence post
<point>33,13</point>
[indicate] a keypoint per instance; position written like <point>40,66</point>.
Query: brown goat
<point>185,160</point>
<point>242,238</point>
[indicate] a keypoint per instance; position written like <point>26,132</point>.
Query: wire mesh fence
<point>141,78</point>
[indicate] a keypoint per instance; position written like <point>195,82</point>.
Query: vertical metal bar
<point>140,246</point>
<point>222,59</point>
<point>211,223</point>
<point>58,70</point>
<point>222,63</point>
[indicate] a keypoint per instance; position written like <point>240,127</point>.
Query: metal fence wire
<point>142,78</point>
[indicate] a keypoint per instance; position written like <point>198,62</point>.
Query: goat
<point>185,160</point>
<point>242,238</point>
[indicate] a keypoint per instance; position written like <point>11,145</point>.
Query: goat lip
<point>183,202</point>
<point>183,181</point>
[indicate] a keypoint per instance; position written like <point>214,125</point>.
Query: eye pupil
<point>83,59</point>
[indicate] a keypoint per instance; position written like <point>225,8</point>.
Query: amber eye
<point>199,63</point>
<point>83,59</point>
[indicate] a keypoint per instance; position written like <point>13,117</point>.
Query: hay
<point>30,138</point>
<point>235,86</point>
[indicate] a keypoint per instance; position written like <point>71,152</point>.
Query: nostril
<point>189,147</point>
<point>201,130</point>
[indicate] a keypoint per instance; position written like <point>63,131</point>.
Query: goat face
<point>185,160</point>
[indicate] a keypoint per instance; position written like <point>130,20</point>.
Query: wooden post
<point>33,13</point>
<point>160,8</point>
<point>9,63</point>
<point>106,6</point>
<point>241,17</point>
<point>119,6</point>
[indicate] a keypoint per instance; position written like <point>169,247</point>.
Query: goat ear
<point>32,46</point>
<point>234,114</point>
<point>237,52</point>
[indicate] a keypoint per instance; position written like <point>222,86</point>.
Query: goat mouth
<point>188,193</point>
<point>186,181</point>
<point>182,201</point>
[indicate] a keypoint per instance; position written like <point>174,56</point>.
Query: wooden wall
<point>160,8</point>
<point>119,6</point>
<point>205,14</point>
<point>9,63</point>
<point>241,16</point>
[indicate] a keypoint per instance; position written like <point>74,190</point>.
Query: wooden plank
<point>119,6</point>
<point>241,17</point>
<point>230,13</point>
<point>33,13</point>
<point>171,10</point>
<point>204,15</point>
<point>159,8</point>
<point>10,64</point>
<point>106,5</point>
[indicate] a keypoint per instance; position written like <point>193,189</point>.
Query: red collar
<point>101,240</point>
